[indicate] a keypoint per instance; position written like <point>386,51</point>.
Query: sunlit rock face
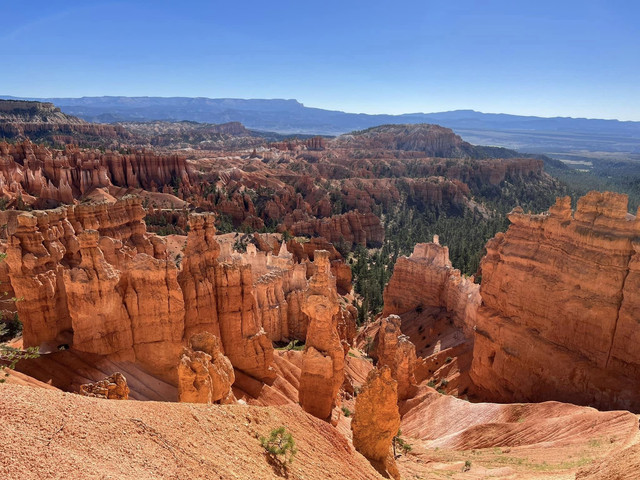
<point>205,375</point>
<point>323,360</point>
<point>560,314</point>
<point>376,420</point>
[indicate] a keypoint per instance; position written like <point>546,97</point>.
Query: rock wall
<point>427,279</point>
<point>352,227</point>
<point>93,279</point>
<point>559,318</point>
<point>46,177</point>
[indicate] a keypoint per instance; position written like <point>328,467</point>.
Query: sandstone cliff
<point>46,177</point>
<point>95,281</point>
<point>559,315</point>
<point>427,279</point>
<point>353,228</point>
<point>20,119</point>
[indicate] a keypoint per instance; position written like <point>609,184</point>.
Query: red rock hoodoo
<point>376,420</point>
<point>205,375</point>
<point>323,360</point>
<point>396,351</point>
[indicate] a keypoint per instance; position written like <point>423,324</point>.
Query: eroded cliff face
<point>353,227</point>
<point>427,279</point>
<point>559,316</point>
<point>94,280</point>
<point>45,177</point>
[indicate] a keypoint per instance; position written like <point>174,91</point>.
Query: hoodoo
<point>323,360</point>
<point>396,351</point>
<point>376,420</point>
<point>205,375</point>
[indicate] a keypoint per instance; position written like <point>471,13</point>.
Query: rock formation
<point>20,119</point>
<point>245,341</point>
<point>395,350</point>
<point>323,360</point>
<point>92,278</point>
<point>559,315</point>
<point>113,387</point>
<point>197,278</point>
<point>96,289</point>
<point>46,177</point>
<point>205,375</point>
<point>352,227</point>
<point>427,279</point>
<point>376,420</point>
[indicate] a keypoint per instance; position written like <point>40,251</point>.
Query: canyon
<point>214,294</point>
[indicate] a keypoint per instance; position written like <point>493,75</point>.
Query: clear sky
<point>548,58</point>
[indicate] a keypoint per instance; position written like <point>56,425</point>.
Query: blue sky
<point>545,58</point>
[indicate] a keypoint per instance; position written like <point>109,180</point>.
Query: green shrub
<point>400,444</point>
<point>10,356</point>
<point>346,411</point>
<point>280,444</point>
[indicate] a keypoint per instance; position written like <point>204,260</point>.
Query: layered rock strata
<point>354,228</point>
<point>51,177</point>
<point>93,279</point>
<point>376,420</point>
<point>427,279</point>
<point>560,316</point>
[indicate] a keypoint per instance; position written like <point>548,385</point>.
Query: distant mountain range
<point>524,133</point>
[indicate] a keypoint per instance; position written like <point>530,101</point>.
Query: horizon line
<point>41,99</point>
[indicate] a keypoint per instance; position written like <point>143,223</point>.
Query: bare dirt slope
<point>520,441</point>
<point>53,435</point>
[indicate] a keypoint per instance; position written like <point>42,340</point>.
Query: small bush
<point>400,444</point>
<point>346,412</point>
<point>467,466</point>
<point>431,384</point>
<point>448,360</point>
<point>10,356</point>
<point>280,444</point>
<point>444,383</point>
